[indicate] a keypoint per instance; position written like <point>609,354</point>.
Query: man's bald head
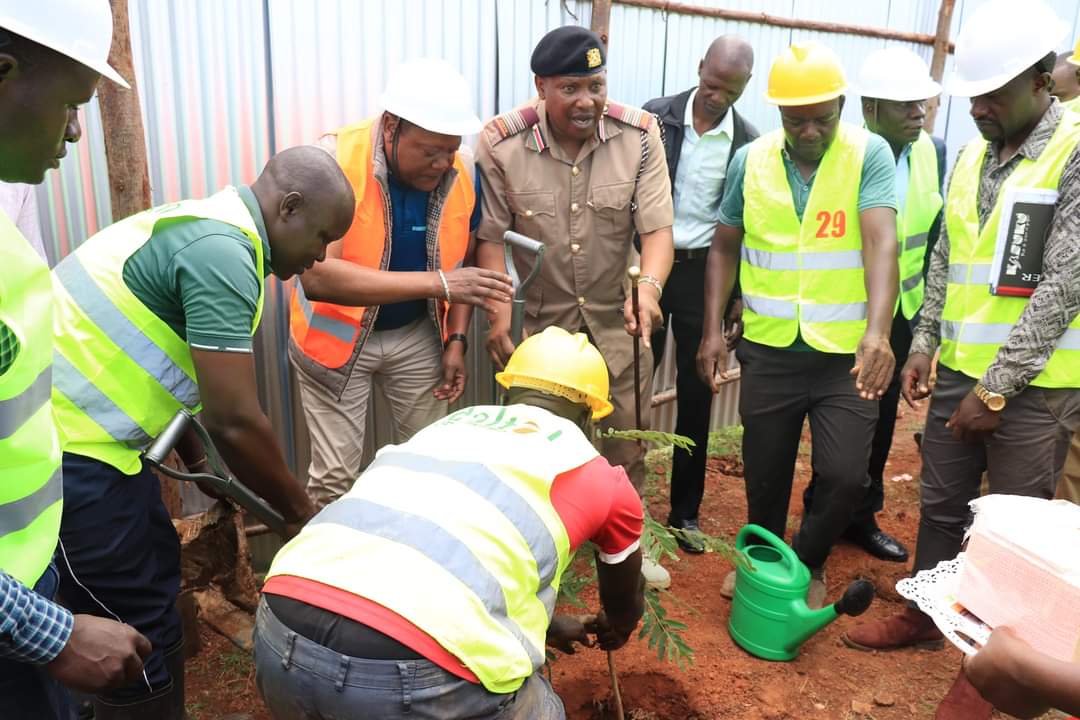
<point>307,203</point>
<point>722,77</point>
<point>730,50</point>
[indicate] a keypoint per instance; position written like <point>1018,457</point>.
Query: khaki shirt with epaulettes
<point>584,209</point>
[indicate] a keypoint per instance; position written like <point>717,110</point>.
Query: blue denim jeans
<point>302,680</point>
<point>29,692</point>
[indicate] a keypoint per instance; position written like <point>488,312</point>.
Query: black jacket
<point>672,111</point>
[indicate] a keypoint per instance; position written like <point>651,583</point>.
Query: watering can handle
<point>751,530</point>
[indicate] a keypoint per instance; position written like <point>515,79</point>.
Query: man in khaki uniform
<point>582,175</point>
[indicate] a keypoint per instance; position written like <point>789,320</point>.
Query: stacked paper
<point>1022,569</point>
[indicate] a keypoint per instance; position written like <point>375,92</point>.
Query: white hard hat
<point>432,94</point>
<point>896,73</point>
<point>999,41</point>
<point>80,29</point>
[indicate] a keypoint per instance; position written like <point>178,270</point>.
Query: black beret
<point>569,50</point>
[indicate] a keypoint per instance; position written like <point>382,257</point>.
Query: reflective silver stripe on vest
<point>437,545</point>
<point>769,260</point>
<point>97,406</point>
<point>915,241</point>
<point>997,334</point>
<point>822,313</point>
<point>839,312</point>
<point>911,283</point>
<point>16,411</point>
<point>487,484</point>
<point>18,514</point>
<point>980,274</point>
<point>112,322</point>
<point>839,260</point>
<point>768,307</point>
<point>343,331</point>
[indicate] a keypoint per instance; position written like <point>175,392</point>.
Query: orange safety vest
<point>328,333</point>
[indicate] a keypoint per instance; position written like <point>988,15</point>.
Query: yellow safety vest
<point>1073,104</point>
<point>120,372</point>
<point>921,207</point>
<point>455,532</point>
<point>974,323</point>
<point>30,486</point>
<point>804,277</point>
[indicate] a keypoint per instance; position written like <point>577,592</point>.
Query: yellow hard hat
<point>561,364</point>
<point>1074,59</point>
<point>805,74</point>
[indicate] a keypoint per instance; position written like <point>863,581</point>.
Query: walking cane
<point>634,273</point>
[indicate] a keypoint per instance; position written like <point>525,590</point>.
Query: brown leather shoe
<point>910,628</point>
<point>963,702</point>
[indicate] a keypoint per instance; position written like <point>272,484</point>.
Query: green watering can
<point>769,616</point>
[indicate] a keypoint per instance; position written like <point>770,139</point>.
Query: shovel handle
<point>536,248</point>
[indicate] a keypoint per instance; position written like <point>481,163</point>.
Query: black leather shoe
<point>689,539</point>
<point>878,543</point>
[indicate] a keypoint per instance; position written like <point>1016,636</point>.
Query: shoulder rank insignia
<point>514,122</point>
<point>629,115</point>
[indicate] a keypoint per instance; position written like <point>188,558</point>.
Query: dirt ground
<point>827,680</point>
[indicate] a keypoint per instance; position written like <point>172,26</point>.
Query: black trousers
<point>780,389</point>
<point>863,520</point>
<point>683,305</point>
<point>119,558</point>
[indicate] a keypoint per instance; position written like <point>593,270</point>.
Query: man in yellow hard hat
<point>52,55</point>
<point>429,588</point>
<point>895,86</point>
<point>1007,394</point>
<point>1066,77</point>
<point>808,222</point>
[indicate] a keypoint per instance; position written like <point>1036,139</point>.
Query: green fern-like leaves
<point>649,436</point>
<point>663,633</point>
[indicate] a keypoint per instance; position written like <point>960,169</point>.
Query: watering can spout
<point>804,622</point>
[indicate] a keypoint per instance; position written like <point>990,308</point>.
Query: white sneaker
<point>656,577</point>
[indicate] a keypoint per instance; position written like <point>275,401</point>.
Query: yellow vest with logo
<point>30,486</point>
<point>455,531</point>
<point>921,206</point>
<point>804,277</point>
<point>120,372</point>
<point>974,323</point>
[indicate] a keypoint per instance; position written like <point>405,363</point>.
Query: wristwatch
<point>457,336</point>
<point>995,402</point>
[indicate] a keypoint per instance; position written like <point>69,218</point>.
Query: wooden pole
<point>779,21</point>
<point>129,178</point>
<point>125,146</point>
<point>937,61</point>
<point>601,17</point>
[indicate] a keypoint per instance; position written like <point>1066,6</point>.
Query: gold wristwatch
<point>995,402</point>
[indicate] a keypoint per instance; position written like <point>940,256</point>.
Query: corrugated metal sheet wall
<point>222,85</point>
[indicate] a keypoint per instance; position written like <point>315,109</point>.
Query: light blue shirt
<point>699,180</point>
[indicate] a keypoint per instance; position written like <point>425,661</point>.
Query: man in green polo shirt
<point>818,275</point>
<point>157,313</point>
